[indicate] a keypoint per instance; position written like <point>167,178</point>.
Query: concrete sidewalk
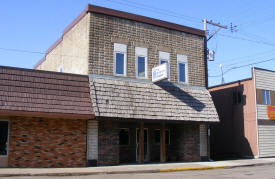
<point>138,168</point>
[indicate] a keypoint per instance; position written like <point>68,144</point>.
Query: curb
<point>134,171</point>
<point>192,168</point>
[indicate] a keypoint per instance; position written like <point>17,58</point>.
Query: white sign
<point>160,73</point>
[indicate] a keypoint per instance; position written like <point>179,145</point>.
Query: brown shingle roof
<point>42,93</point>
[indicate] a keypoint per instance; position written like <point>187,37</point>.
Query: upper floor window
<point>266,96</point>
<point>120,56</point>
<point>182,68</point>
<point>164,57</point>
<point>141,62</point>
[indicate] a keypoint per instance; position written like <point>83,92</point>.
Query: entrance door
<point>4,130</point>
<point>146,153</point>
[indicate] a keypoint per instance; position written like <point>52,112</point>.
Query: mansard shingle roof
<point>126,98</point>
<point>42,93</point>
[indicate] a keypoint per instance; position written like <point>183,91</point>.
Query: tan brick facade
<point>88,48</point>
<point>37,142</point>
<point>105,30</point>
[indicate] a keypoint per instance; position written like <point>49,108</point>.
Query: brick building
<point>43,118</point>
<point>246,109</point>
<point>137,120</point>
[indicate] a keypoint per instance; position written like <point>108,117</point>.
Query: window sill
<point>120,75</point>
<point>183,83</point>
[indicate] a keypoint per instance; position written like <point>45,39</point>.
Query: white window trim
<point>8,137</point>
<point>165,56</point>
<point>120,48</point>
<point>182,59</point>
<point>141,52</point>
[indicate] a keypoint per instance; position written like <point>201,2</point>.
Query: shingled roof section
<point>42,93</point>
<point>126,98</point>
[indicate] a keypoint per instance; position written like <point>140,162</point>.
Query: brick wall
<point>38,142</point>
<point>188,143</point>
<point>105,30</point>
<point>108,143</point>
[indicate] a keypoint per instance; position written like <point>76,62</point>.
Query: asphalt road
<point>256,172</point>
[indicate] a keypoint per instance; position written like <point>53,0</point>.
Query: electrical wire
<point>157,10</point>
<point>254,41</point>
<point>36,52</point>
<point>233,68</point>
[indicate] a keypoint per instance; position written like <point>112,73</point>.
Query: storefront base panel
<point>3,161</point>
<point>37,142</point>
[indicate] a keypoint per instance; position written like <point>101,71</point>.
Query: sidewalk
<point>138,168</point>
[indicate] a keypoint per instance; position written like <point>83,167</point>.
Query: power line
<point>157,10</point>
<point>233,68</point>
<point>36,52</point>
<point>255,55</point>
<point>255,41</point>
<point>20,50</point>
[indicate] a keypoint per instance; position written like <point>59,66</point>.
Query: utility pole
<point>205,22</point>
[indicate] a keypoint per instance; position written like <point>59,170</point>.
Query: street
<point>264,172</point>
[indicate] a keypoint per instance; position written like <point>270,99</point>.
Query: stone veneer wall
<point>106,30</point>
<point>36,142</point>
<point>108,143</point>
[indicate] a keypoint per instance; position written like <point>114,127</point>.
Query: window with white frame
<point>164,57</point>
<point>266,96</point>
<point>120,56</point>
<point>182,68</point>
<point>141,62</point>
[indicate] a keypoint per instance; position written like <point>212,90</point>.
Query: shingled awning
<point>134,99</point>
<point>44,94</point>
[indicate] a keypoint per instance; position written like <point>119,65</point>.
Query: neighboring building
<point>247,112</point>
<point>43,118</point>
<point>137,120</point>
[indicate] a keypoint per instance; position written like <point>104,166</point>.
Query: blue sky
<point>29,27</point>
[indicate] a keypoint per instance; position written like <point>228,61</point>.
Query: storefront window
<point>124,136</point>
<point>157,136</point>
<point>3,137</point>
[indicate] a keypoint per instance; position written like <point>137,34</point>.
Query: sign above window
<point>271,112</point>
<point>160,72</point>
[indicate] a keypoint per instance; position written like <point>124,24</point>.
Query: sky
<point>30,27</point>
